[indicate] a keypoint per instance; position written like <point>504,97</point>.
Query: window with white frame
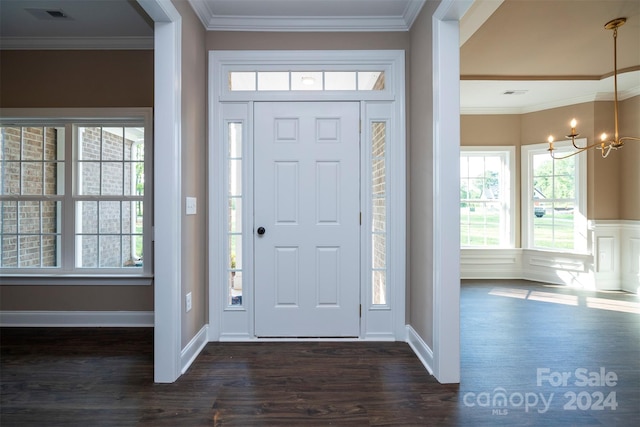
<point>74,199</point>
<point>554,198</point>
<point>486,197</point>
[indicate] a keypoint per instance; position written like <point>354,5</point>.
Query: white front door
<point>307,219</point>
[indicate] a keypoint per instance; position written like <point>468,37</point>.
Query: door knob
<point>261,230</point>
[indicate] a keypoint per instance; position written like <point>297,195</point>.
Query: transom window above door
<point>306,80</point>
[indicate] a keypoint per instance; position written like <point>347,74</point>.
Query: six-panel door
<point>307,209</point>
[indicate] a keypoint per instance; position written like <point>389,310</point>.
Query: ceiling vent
<point>48,14</point>
<point>514,92</point>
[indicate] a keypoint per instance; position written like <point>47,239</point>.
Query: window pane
<point>50,217</point>
<point>89,178</point>
<point>378,212</point>
<point>134,179</point>
<point>242,81</point>
<point>9,217</point>
<point>138,249</point>
<point>235,177</point>
<point>32,143</point>
<point>53,137</point>
<point>268,80</point>
<point>28,217</point>
<point>88,247</point>
<point>109,218</point>
<point>113,143</point>
<point>379,244</point>
<point>340,80</point>
<point>235,252</point>
<point>29,251</point>
<point>484,199</point>
<point>306,80</point>
<point>9,256</point>
<point>235,288</point>
<point>10,138</point>
<point>235,140</point>
<point>110,252</point>
<point>112,179</point>
<point>49,248</point>
<point>87,217</point>
<point>370,80</point>
<point>379,280</point>
<point>53,172</point>
<point>32,178</point>
<point>235,215</point>
<point>379,215</point>
<point>89,143</point>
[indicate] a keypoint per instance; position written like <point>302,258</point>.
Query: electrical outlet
<point>188,302</point>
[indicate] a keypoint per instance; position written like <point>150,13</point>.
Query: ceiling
<point>545,54</point>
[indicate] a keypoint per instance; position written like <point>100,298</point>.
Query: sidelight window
<point>234,212</point>
<point>378,182</point>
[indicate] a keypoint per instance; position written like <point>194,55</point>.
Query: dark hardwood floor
<point>517,339</point>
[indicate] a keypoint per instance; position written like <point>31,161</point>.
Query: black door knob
<point>261,230</point>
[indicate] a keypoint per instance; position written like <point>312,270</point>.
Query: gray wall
<point>420,178</point>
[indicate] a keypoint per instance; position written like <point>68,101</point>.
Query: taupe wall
<point>613,191</point>
<point>420,178</point>
<point>194,171</point>
<point>76,79</point>
<point>234,40</point>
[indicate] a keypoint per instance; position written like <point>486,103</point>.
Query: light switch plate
<point>191,206</point>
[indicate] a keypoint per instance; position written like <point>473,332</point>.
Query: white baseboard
<point>420,348</point>
<point>194,348</point>
<point>87,319</point>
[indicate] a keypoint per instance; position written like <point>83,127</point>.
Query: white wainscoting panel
<point>630,256</point>
<point>614,262</point>
<point>491,263</point>
<point>575,270</point>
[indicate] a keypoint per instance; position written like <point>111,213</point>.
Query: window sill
<point>74,280</point>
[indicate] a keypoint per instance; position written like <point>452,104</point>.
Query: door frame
<point>378,322</point>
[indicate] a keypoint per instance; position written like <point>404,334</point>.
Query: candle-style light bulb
<point>550,139</point>
<point>603,137</point>
<point>573,128</point>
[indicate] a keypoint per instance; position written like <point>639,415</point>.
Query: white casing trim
<point>76,319</point>
<point>167,176</point>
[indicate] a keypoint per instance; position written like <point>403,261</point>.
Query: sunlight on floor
<point>608,304</point>
<point>574,300</point>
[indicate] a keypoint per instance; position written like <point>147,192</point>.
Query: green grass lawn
<point>482,228</point>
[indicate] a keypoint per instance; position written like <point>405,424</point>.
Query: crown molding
<point>213,22</point>
<point>76,43</point>
<point>549,105</point>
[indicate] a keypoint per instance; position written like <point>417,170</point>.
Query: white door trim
<point>167,161</point>
<point>446,203</point>
<point>227,323</point>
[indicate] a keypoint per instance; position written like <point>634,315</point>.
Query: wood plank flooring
<point>509,330</point>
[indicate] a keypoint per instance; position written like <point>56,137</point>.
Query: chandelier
<point>605,145</point>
